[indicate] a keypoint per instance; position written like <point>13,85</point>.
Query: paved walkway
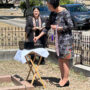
<point>13,21</point>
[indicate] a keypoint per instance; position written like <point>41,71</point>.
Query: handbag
<point>29,45</point>
<point>26,45</point>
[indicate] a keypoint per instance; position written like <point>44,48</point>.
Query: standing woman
<point>60,21</point>
<point>34,26</point>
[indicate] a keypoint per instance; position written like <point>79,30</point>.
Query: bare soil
<point>6,84</point>
<point>50,74</point>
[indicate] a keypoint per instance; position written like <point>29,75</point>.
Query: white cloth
<point>20,54</point>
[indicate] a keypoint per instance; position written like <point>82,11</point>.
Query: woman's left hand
<point>35,39</point>
<point>54,27</point>
<point>40,29</point>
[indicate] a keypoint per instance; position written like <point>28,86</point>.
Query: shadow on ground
<point>52,80</point>
<point>10,17</point>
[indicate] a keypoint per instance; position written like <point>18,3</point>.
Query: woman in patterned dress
<point>60,20</point>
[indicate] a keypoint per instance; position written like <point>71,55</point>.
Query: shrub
<point>62,2</point>
<point>23,5</point>
<point>31,3</point>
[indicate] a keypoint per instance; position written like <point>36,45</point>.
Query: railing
<point>10,37</point>
<point>81,48</point>
<point>85,59</point>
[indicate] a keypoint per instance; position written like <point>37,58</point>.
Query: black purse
<point>29,45</point>
<point>26,45</point>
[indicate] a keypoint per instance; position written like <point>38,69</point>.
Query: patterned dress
<point>65,38</point>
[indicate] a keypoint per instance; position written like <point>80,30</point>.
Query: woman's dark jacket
<point>29,31</point>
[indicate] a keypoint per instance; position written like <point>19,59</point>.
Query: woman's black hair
<point>35,8</point>
<point>54,3</point>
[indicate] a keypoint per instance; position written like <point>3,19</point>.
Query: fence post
<point>81,48</point>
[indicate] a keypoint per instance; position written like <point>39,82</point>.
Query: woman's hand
<point>34,28</point>
<point>35,39</point>
<point>40,29</point>
<point>37,28</point>
<point>54,27</point>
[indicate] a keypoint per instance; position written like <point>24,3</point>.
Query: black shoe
<point>66,84</point>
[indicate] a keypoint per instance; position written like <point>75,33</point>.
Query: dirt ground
<point>50,74</point>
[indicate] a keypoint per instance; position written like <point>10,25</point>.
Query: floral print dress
<point>65,38</point>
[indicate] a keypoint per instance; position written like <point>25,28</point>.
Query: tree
<point>1,1</point>
<point>27,4</point>
<point>6,1</point>
<point>62,2</point>
<point>30,3</point>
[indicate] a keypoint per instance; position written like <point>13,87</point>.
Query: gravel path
<point>50,74</point>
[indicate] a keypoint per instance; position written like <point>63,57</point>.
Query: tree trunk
<point>1,1</point>
<point>27,4</point>
<point>6,1</point>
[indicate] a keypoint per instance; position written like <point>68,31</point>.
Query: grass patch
<point>7,84</point>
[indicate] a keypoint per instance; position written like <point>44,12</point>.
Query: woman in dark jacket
<point>34,26</point>
<point>60,21</point>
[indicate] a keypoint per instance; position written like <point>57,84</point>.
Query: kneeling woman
<point>34,26</point>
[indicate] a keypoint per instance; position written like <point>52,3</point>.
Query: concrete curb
<point>7,54</point>
<point>85,70</point>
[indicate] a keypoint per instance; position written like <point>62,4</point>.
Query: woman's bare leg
<point>65,69</point>
<point>61,68</point>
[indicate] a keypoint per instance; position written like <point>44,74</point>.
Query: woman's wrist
<point>38,36</point>
<point>33,28</point>
<point>60,28</point>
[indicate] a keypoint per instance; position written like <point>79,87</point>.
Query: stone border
<point>20,84</point>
